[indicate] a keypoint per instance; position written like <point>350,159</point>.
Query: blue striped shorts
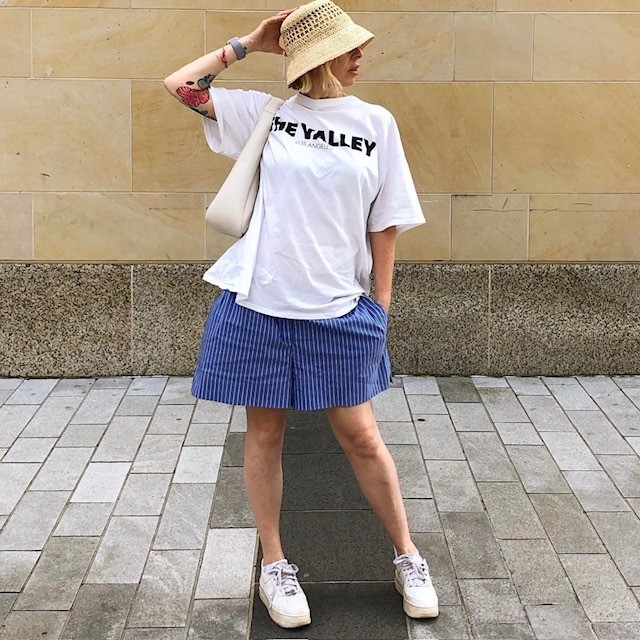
<point>248,358</point>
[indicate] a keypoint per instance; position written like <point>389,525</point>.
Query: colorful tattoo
<point>224,58</point>
<point>193,97</point>
<point>205,81</point>
<point>202,112</point>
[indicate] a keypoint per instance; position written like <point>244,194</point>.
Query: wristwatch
<point>241,52</point>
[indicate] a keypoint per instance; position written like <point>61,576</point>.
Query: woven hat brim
<point>327,49</point>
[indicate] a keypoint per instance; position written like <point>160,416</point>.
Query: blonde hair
<point>328,81</point>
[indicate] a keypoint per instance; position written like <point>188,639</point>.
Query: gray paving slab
<point>183,524</point>
<point>617,630</point>
<point>198,464</point>
<point>219,618</point>
<point>634,503</point>
<point>62,470</point>
<point>231,506</point>
<point>433,547</point>
<point>573,397</point>
<point>177,391</point>
<point>559,622</point>
<point>69,387</point>
<point>566,524</point>
<point>537,573</point>
<point>468,416</point>
<point>137,405</point>
<point>227,565</point>
<point>422,516</point>
<point>143,494</point>
<point>487,458</point>
<point>117,382</point>
<point>412,473</point>
<point>421,385</point>
<point>625,473</point>
<point>122,439</point>
<point>10,383</point>
<point>527,386</point>
<point>598,432</point>
<point>82,435</point>
<point>123,550</point>
<point>6,602</point>
<point>458,389</point>
<point>620,410</point>
<point>391,406</point>
<point>474,548</point>
<point>545,413</point>
<point>517,433</point>
<point>595,491</point>
<point>437,438</point>
<point>492,601</point>
<point>489,382</point>
<point>453,486</point>
<point>398,433</point>
<point>33,520</point>
<point>421,405</point>
<point>209,411</point>
<point>154,634</point>
<point>32,391</point>
<point>208,434</point>
<point>171,418</point>
<point>4,394</point>
<point>57,576</point>
<point>635,444</point>
<point>239,420</point>
<point>620,533</point>
<point>164,595</point>
<point>502,404</point>
<point>15,567</point>
<point>29,450</point>
<point>33,625</point>
<point>627,382</point>
<point>52,416</point>
<point>600,588</point>
<point>84,519</point>
<point>98,406</point>
<point>537,469</point>
<point>99,612</point>
<point>598,385</point>
<point>510,511</point>
<point>451,624</point>
<point>570,452</point>
<point>101,482</point>
<point>634,395</point>
<point>493,631</point>
<point>13,419</point>
<point>158,453</point>
<point>147,386</point>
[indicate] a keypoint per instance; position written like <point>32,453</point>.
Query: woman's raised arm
<point>191,83</point>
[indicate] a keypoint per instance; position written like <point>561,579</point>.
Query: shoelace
<point>286,578</point>
<point>415,569</point>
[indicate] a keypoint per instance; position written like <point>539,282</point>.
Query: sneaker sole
<point>416,612</point>
<point>281,619</point>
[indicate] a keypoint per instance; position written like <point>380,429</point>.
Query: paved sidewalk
<point>123,514</point>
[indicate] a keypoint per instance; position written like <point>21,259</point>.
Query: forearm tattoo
<point>194,94</point>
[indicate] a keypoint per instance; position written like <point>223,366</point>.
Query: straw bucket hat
<point>318,32</point>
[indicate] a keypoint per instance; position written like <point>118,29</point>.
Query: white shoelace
<point>415,569</point>
<point>286,578</point>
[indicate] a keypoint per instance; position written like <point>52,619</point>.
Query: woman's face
<point>347,67</point>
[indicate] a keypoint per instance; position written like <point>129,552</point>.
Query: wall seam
<point>528,226</point>
<point>33,227</point>
<point>31,38</point>
<point>131,333</point>
<point>489,372</point>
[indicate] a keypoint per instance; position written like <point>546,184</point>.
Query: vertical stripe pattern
<point>249,358</point>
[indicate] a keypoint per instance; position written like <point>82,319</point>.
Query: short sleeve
<point>396,203</point>
<point>237,113</point>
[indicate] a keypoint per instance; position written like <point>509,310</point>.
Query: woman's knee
<point>266,425</point>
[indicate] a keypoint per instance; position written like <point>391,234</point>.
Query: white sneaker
<point>283,596</point>
<point>414,584</point>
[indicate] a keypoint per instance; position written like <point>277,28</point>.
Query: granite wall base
<point>86,320</point>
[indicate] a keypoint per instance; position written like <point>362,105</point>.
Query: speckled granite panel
<point>557,320</point>
<point>65,320</point>
<point>170,307</point>
<point>438,323</point>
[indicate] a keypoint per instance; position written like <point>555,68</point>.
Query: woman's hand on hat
<point>266,36</point>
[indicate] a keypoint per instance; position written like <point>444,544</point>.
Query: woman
<point>293,325</point>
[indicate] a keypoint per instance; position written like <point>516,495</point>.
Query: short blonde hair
<point>328,81</point>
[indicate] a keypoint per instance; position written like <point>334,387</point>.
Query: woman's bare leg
<point>263,475</point>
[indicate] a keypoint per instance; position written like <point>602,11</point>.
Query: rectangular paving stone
<point>573,398</point>
<point>84,519</point>
<point>559,622</point>
<point>426,385</point>
<point>32,391</point>
<point>183,524</point>
<point>398,433</point>
<point>171,418</point>
<point>143,494</point>
<point>220,618</point>
<point>206,434</point>
<point>559,380</point>
<point>617,630</point>
<point>537,469</point>
<point>487,458</point>
<point>504,631</point>
<point>412,472</point>
<point>15,567</point>
<point>13,419</point>
<point>227,565</point>
<point>566,524</point>
<point>517,433</point>
<point>101,482</point>
<point>528,386</point>
<point>474,548</point>
<point>510,510</point>
<point>4,394</point>
<point>158,453</point>
<point>627,382</point>
<point>209,411</point>
<point>620,533</point>
<point>98,406</point>
<point>69,387</point>
<point>545,413</point>
<point>52,417</point>
<point>502,404</point>
<point>469,417</point>
<point>198,464</point>
<point>598,432</point>
<point>635,444</point>
<point>421,405</point>
<point>177,391</point>
<point>57,576</point>
<point>33,520</point>
<point>595,491</point>
<point>453,486</point>
<point>117,382</point>
<point>14,480</point>
<point>231,506</point>
<point>621,411</point>
<point>625,473</point>
<point>598,385</point>
<point>147,386</point>
<point>492,601</point>
<point>488,382</point>
<point>391,406</point>
<point>62,470</point>
<point>422,516</point>
<point>433,547</point>
<point>451,624</point>
<point>10,383</point>
<point>238,420</point>
<point>99,612</point>
<point>633,395</point>
<point>634,503</point>
<point>233,452</point>
<point>537,573</point>
<point>458,389</point>
<point>164,593</point>
<point>137,405</point>
<point>82,435</point>
<point>6,602</point>
<point>570,452</point>
<point>438,440</point>
<point>121,439</point>
<point>29,450</point>
<point>33,625</point>
<point>600,588</point>
<point>123,550</point>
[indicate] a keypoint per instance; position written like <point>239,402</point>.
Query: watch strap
<point>236,45</point>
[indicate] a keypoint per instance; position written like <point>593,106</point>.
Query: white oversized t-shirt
<point>332,170</point>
